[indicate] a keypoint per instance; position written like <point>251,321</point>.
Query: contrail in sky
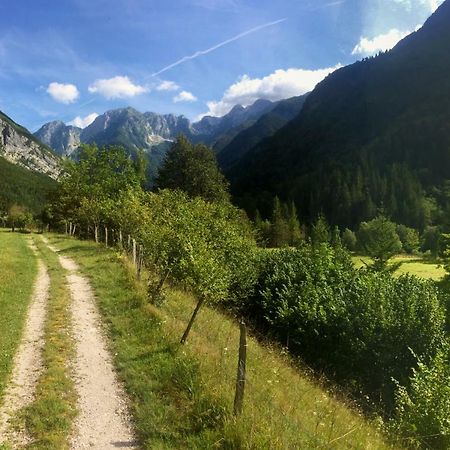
<point>215,47</point>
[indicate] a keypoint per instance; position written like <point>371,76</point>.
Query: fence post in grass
<point>120,238</point>
<point>106,236</point>
<point>240,380</point>
<point>134,252</point>
<point>140,261</point>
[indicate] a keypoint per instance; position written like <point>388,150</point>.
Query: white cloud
<point>185,96</point>
<point>116,87</point>
<point>379,43</point>
<point>276,86</point>
<point>432,5</point>
<point>63,93</point>
<point>167,86</point>
<point>83,122</point>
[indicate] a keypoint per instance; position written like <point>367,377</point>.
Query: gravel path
<point>27,364</point>
<point>103,422</point>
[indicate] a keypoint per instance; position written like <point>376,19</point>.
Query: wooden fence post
<point>240,380</point>
<point>140,261</point>
<point>106,236</point>
<point>134,252</point>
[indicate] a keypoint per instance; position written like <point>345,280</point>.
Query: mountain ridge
<point>358,143</point>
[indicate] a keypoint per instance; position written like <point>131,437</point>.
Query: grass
<point>411,264</point>
<point>182,396</point>
<point>18,269</point>
<point>48,419</point>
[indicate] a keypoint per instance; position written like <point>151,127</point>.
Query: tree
<point>379,240</point>
<point>432,241</point>
<point>94,184</point>
<point>16,215</point>
<point>295,232</point>
<point>279,236</point>
<point>320,231</point>
<point>193,169</point>
<point>409,238</point>
<point>349,240</point>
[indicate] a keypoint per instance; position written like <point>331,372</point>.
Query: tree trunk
<point>106,236</point>
<point>191,322</point>
<point>96,233</point>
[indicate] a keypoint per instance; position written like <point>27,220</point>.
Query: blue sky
<point>72,59</point>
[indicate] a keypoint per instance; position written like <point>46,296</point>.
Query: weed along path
<point>103,422</point>
<point>27,364</point>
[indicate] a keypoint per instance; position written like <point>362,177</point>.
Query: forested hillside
<point>22,187</point>
<point>372,135</point>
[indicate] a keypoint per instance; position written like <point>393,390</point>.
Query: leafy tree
<point>207,246</point>
<point>94,185</point>
<point>379,240</point>
<point>16,216</point>
<point>349,240</point>
<point>409,238</point>
<point>193,169</point>
<point>431,240</point>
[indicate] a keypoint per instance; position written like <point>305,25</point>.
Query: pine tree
<point>320,231</point>
<point>280,228</point>
<point>295,232</point>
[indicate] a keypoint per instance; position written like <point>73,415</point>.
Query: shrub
<point>357,326</point>
<point>423,411</point>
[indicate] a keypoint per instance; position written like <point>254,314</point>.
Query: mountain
<point>151,132</point>
<point>375,134</point>
<point>217,131</point>
<point>63,139</point>
<point>20,147</point>
<point>264,127</point>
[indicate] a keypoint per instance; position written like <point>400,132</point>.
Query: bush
<point>423,411</point>
<point>357,326</point>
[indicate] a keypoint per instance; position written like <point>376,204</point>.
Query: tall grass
<point>182,396</point>
<point>18,269</point>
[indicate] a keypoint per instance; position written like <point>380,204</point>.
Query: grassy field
<point>18,269</point>
<point>182,396</point>
<point>412,265</point>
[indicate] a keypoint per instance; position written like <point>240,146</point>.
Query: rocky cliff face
<point>62,138</point>
<point>20,147</point>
